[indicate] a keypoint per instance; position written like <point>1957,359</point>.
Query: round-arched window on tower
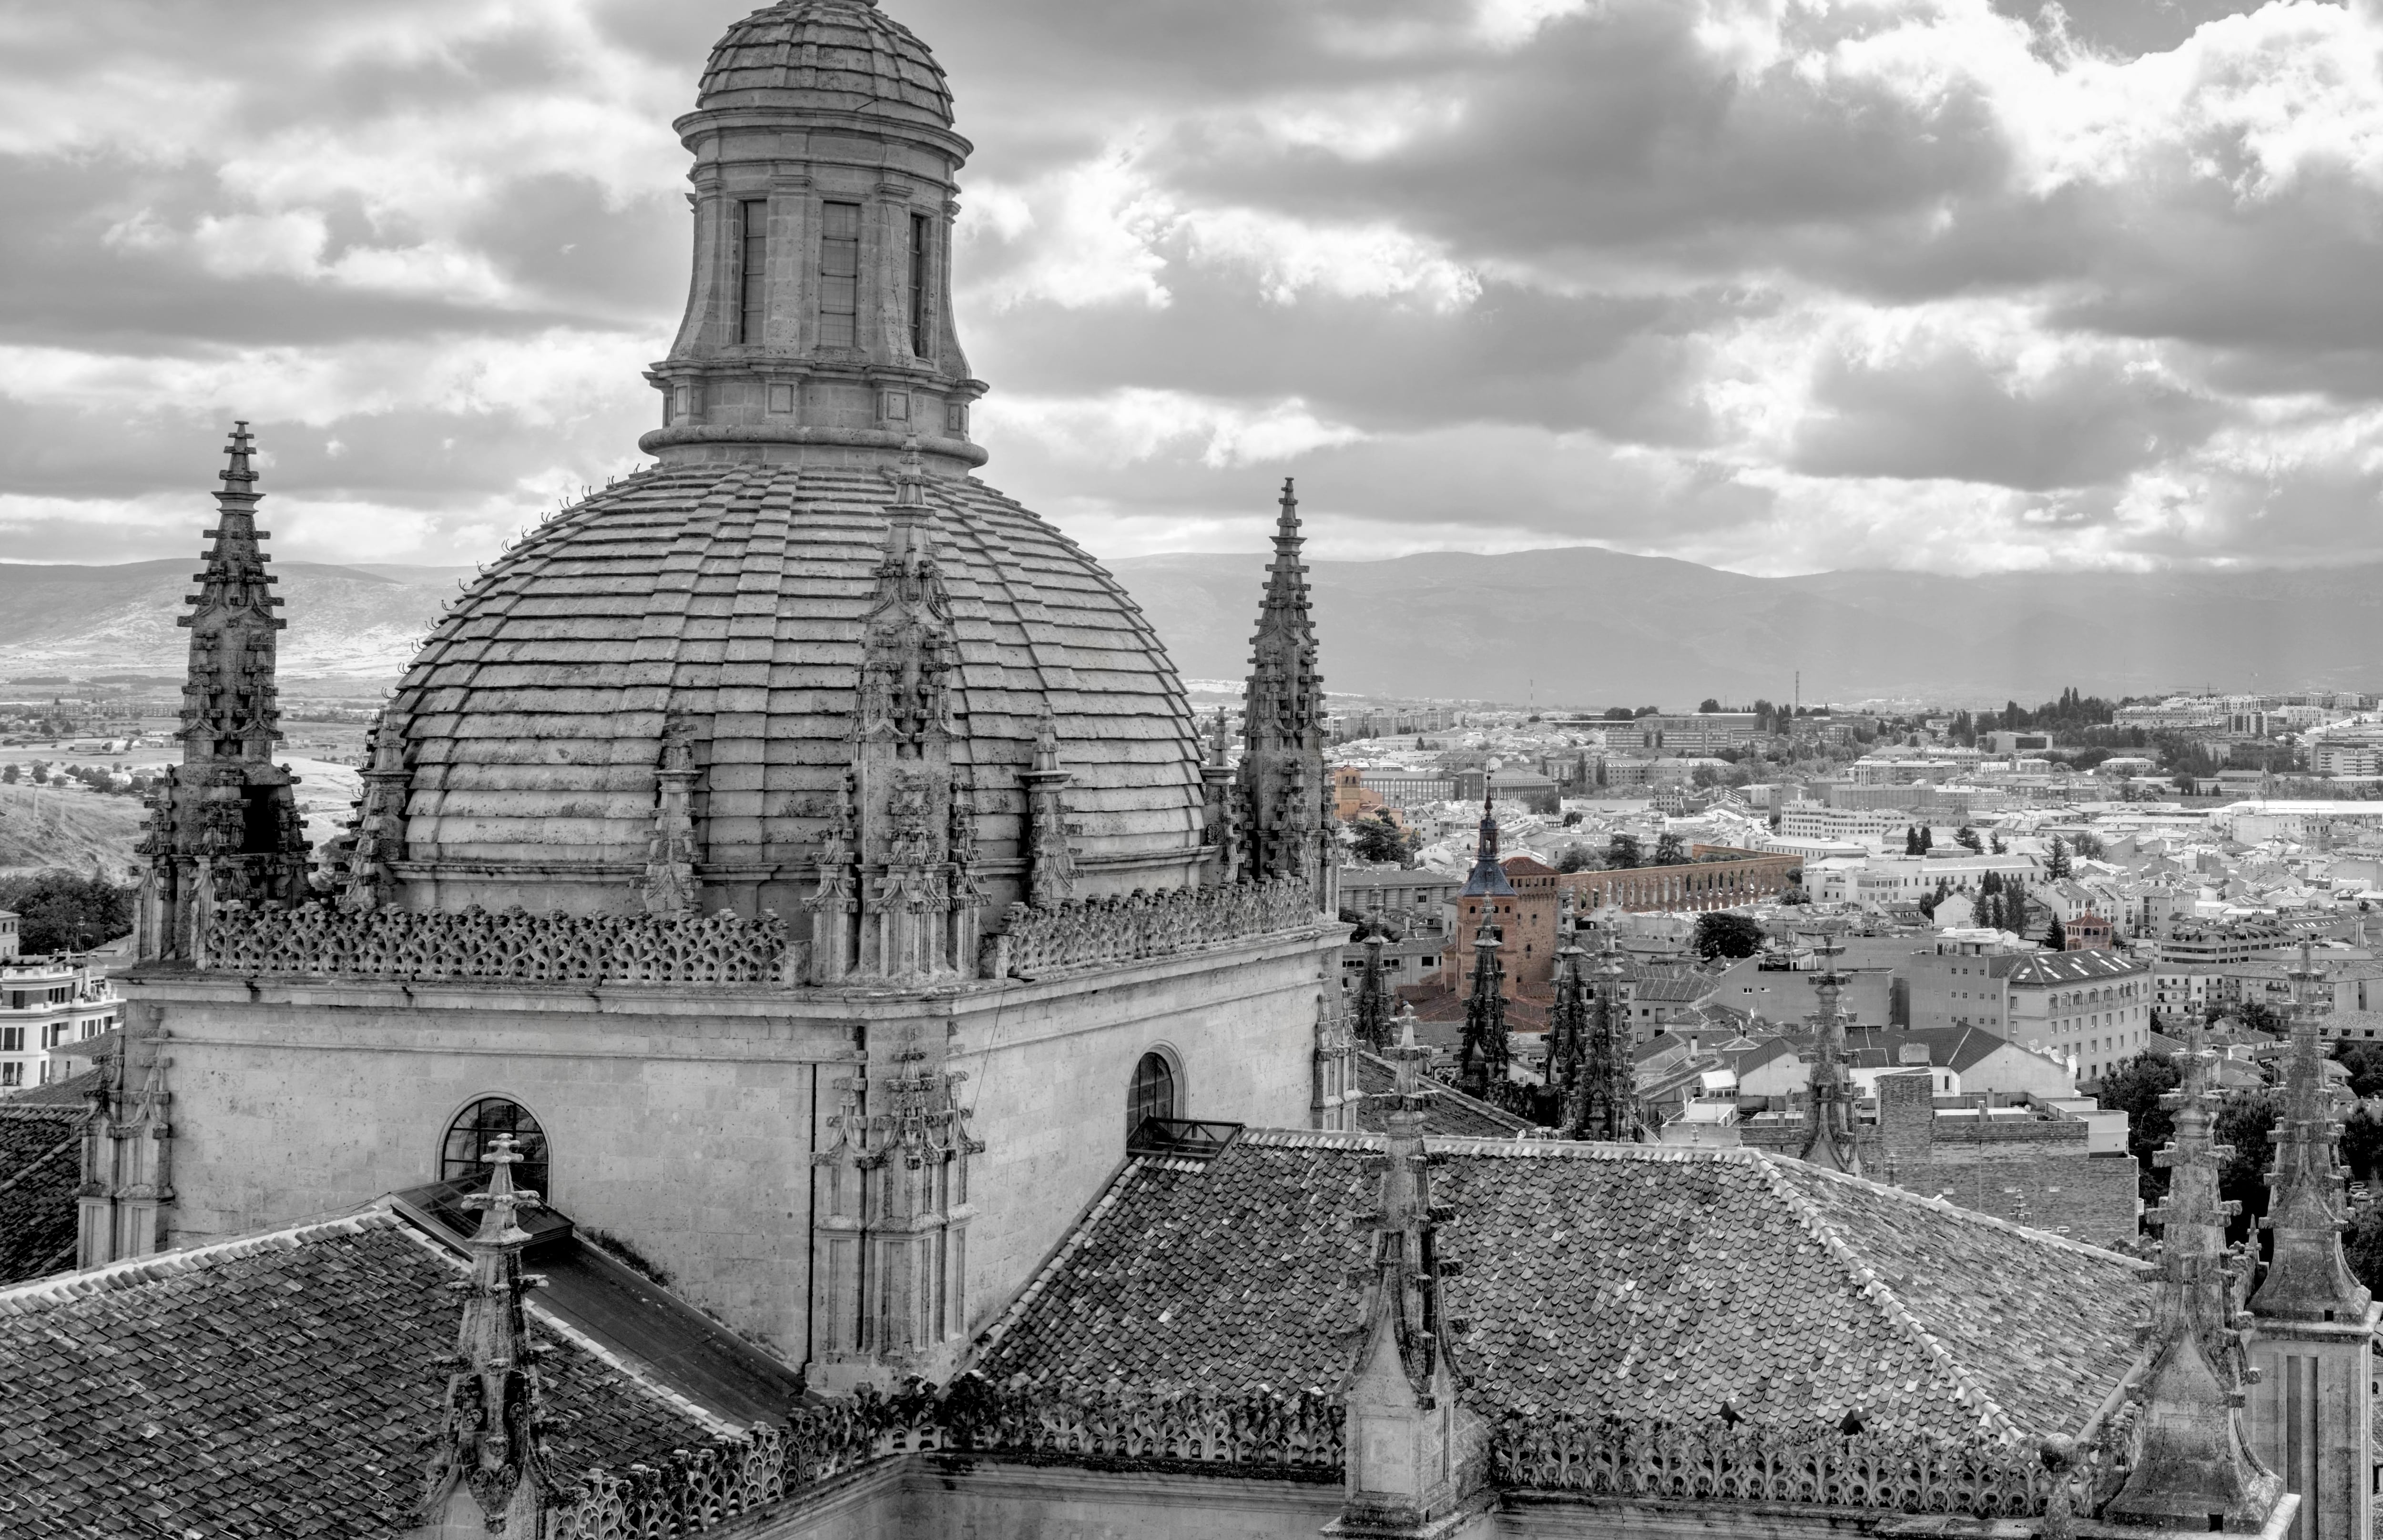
<point>1153,1093</point>
<point>464,1157</point>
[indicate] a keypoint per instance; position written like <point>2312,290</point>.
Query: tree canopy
<point>2135,1087</point>
<point>1622,852</point>
<point>61,912</point>
<point>1379,837</point>
<point>1726,934</point>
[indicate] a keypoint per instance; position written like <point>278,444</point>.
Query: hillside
<point>1572,626</point>
<point>77,620</point>
<point>1589,627</point>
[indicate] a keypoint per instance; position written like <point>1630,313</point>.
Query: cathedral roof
<point>735,595</point>
<point>1597,1278</point>
<point>844,53</point>
<point>1450,1115</point>
<point>41,1166</point>
<point>283,1384</point>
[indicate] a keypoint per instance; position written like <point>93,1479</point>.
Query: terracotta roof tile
<point>282,1385</point>
<point>1450,1115</point>
<point>1640,1281</point>
<point>41,1166</point>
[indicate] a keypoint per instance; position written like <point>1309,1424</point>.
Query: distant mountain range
<point>1580,626</point>
<point>1575,626</point>
<point>359,622</point>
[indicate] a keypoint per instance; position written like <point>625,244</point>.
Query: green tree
<point>1910,840</point>
<point>2362,1141</point>
<point>1577,858</point>
<point>10,774</point>
<point>62,912</point>
<point>2365,1061</point>
<point>1725,934</point>
<point>1378,837</point>
<point>1708,704</point>
<point>1968,839</point>
<point>1670,851</point>
<point>2135,1087</point>
<point>1622,852</point>
<point>1996,845</point>
<point>1927,839</point>
<point>2246,1122</point>
<point>2056,939</point>
<point>2056,866</point>
<point>2364,1247</point>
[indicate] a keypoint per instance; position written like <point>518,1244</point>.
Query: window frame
<point>534,1171</point>
<point>846,320</point>
<point>1138,1107</point>
<point>752,271</point>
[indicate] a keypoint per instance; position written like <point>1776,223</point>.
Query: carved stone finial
<point>2308,1279</point>
<point>227,805</point>
<point>488,1471</point>
<point>2192,1468</point>
<point>1051,861</point>
<point>669,886</point>
<point>1281,782</point>
<point>1828,1137</point>
<point>1483,1056</point>
<point>1410,1440</point>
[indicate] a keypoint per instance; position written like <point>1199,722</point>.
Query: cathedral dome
<point>836,54</point>
<point>733,598</point>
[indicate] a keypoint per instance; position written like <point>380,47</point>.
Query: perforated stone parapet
<point>1094,933</point>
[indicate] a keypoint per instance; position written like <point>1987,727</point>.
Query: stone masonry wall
<point>685,1124</point>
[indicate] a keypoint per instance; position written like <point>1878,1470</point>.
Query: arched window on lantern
<point>1153,1095</point>
<point>463,1157</point>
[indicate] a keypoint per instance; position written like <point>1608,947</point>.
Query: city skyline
<point>1927,285</point>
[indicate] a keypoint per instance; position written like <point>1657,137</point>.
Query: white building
<point>47,1004</point>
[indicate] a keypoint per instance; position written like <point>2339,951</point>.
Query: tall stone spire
<point>1410,1437</point>
<point>1481,1065</point>
<point>1220,804</point>
<point>1829,1138</point>
<point>1281,788</point>
<point>2312,1323</point>
<point>1372,1009</point>
<point>2307,1277</point>
<point>1605,1103</point>
<point>224,824</point>
<point>2192,1468</point>
<point>488,1471</point>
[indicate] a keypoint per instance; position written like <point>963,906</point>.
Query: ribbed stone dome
<point>837,54</point>
<point>732,595</point>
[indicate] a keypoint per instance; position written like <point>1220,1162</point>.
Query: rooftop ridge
<point>72,1143</point>
<point>1078,1235</point>
<point>1883,1299</point>
<point>1965,1216</point>
<point>30,1297</point>
<point>701,1416</point>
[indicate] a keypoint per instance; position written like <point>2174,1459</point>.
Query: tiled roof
<point>1450,1115</point>
<point>282,1385</point>
<point>1641,1281</point>
<point>41,1166</point>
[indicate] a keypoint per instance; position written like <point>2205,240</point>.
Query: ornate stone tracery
<point>1097,932</point>
<point>224,824</point>
<point>1280,820</point>
<point>891,1296</point>
<point>502,945</point>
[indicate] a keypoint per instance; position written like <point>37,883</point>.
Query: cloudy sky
<point>1773,285</point>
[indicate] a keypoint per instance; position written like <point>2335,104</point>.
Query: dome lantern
<point>818,325</point>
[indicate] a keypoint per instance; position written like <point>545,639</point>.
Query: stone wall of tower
<point>305,1097</point>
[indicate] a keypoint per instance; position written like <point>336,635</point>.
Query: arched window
<point>464,1156</point>
<point>1153,1092</point>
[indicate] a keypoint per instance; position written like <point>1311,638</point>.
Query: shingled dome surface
<point>842,53</point>
<point>734,595</point>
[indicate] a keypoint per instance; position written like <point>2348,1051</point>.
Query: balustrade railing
<point>1090,932</point>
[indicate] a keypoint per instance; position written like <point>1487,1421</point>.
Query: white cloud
<point>1131,426</point>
